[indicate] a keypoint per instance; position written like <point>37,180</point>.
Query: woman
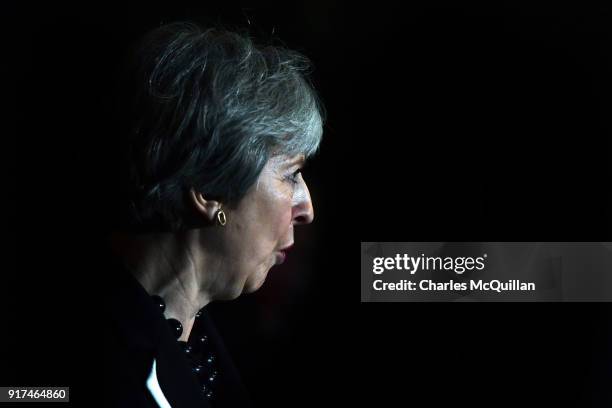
<point>219,131</point>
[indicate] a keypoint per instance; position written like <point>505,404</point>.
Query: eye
<point>294,177</point>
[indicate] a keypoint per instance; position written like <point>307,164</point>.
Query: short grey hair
<point>211,108</point>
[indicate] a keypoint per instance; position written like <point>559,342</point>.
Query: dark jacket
<point>136,333</point>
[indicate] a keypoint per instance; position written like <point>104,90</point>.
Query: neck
<point>166,265</point>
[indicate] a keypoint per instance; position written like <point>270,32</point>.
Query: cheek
<point>284,219</point>
<point>276,218</point>
<point>263,234</point>
<point>273,233</point>
<point>266,222</point>
<point>278,230</point>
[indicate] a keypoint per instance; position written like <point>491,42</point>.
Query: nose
<point>303,212</point>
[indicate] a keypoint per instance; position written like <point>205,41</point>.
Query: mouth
<point>281,255</point>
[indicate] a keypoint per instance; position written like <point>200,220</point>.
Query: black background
<point>449,122</point>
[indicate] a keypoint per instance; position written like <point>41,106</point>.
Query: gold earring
<point>221,218</point>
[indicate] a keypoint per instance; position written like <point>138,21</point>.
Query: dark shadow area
<point>445,123</point>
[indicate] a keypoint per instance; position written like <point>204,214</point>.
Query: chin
<point>256,283</point>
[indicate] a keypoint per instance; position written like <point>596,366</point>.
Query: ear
<point>204,207</point>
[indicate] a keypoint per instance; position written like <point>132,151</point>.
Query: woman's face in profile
<point>261,227</point>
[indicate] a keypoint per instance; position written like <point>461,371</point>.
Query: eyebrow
<point>301,159</point>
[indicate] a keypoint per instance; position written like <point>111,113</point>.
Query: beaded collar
<point>199,352</point>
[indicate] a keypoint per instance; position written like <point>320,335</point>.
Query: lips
<point>287,248</point>
<point>281,255</point>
